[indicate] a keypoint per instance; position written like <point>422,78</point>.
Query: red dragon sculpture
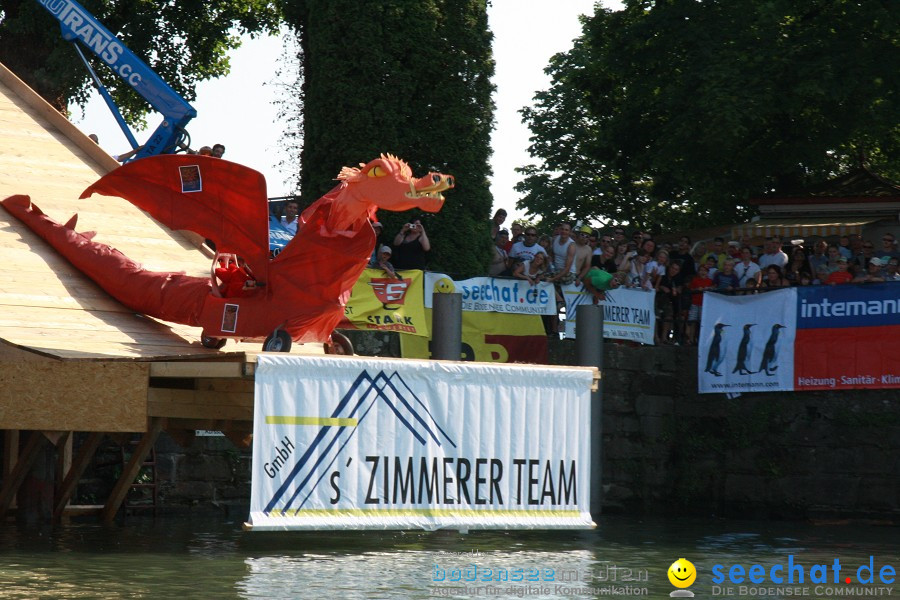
<point>297,296</point>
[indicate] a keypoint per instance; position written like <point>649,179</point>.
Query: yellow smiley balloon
<point>682,573</point>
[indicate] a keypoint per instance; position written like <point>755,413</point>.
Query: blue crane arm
<point>78,25</point>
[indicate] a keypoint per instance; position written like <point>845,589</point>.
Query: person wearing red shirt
<point>841,276</point>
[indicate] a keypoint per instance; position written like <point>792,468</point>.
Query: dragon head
<point>387,182</point>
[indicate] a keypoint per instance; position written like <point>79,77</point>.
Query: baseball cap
<point>879,262</point>
<point>584,229</point>
<point>386,249</point>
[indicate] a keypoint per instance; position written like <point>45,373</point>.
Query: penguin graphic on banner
<point>717,350</point>
<point>770,354</point>
<point>743,353</point>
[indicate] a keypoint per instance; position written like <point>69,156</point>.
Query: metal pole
<point>589,353</point>
<point>446,327</point>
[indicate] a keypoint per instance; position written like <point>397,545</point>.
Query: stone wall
<point>666,448</point>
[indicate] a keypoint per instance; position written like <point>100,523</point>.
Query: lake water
<point>207,558</point>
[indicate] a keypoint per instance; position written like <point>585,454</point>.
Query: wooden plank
<point>44,336</point>
<point>190,404</point>
<point>245,386</point>
<point>27,457</point>
<point>199,369</point>
<point>80,510</point>
<point>163,396</point>
<point>239,426</point>
<point>130,472</point>
<point>73,396</point>
<point>73,474</point>
<point>47,112</point>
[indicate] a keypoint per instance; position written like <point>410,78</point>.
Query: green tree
<point>674,112</point>
<point>184,42</point>
<point>406,77</point>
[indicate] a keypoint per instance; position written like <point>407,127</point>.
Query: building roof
<point>858,186</point>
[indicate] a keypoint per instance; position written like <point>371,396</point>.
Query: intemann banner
<point>804,338</point>
<point>627,314</point>
<point>352,443</point>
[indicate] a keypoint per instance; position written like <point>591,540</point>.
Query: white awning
<point>787,227</point>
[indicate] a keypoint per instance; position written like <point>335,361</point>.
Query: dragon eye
<point>377,171</point>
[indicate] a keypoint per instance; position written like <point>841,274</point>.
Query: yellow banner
<point>384,303</point>
<point>490,337</point>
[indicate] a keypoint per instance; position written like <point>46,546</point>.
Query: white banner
<point>489,294</point>
<point>627,314</point>
<point>352,443</point>
<point>746,342</point>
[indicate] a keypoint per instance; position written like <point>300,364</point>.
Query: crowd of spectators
<point>679,273</point>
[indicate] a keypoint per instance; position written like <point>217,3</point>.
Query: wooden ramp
<point>46,305</point>
<point>72,359</point>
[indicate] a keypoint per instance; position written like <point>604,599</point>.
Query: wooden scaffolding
<point>72,359</point>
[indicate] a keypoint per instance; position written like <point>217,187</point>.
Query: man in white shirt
<point>773,255</point>
<point>289,219</point>
<point>527,248</point>
<point>747,269</point>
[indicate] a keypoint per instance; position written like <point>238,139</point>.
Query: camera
<point>411,225</point>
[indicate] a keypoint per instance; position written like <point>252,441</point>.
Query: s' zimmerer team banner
<point>384,303</point>
<point>627,314</point>
<point>351,443</point>
<point>804,338</point>
<point>489,294</point>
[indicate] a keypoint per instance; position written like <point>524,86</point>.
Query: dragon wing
<point>218,199</point>
<point>319,266</point>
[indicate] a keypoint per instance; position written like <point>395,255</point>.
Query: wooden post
<point>10,456</point>
<point>73,474</point>
<point>27,457</point>
<point>131,470</point>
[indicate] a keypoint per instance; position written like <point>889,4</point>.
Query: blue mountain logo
<point>336,431</point>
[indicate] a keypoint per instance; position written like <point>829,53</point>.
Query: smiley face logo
<point>444,286</point>
<point>682,573</point>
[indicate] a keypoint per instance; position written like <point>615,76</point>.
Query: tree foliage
<point>672,113</point>
<point>184,42</point>
<point>406,77</point>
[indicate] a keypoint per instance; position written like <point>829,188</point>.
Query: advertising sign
<point>746,342</point>
<point>627,314</point>
<point>349,443</point>
<point>804,338</point>
<point>490,337</point>
<point>490,294</point>
<point>385,303</point>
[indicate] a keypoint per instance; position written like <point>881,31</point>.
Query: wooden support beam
<point>55,437</point>
<point>202,369</point>
<point>27,458</point>
<point>63,457</point>
<point>10,456</point>
<point>75,471</point>
<point>10,451</point>
<point>131,470</point>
